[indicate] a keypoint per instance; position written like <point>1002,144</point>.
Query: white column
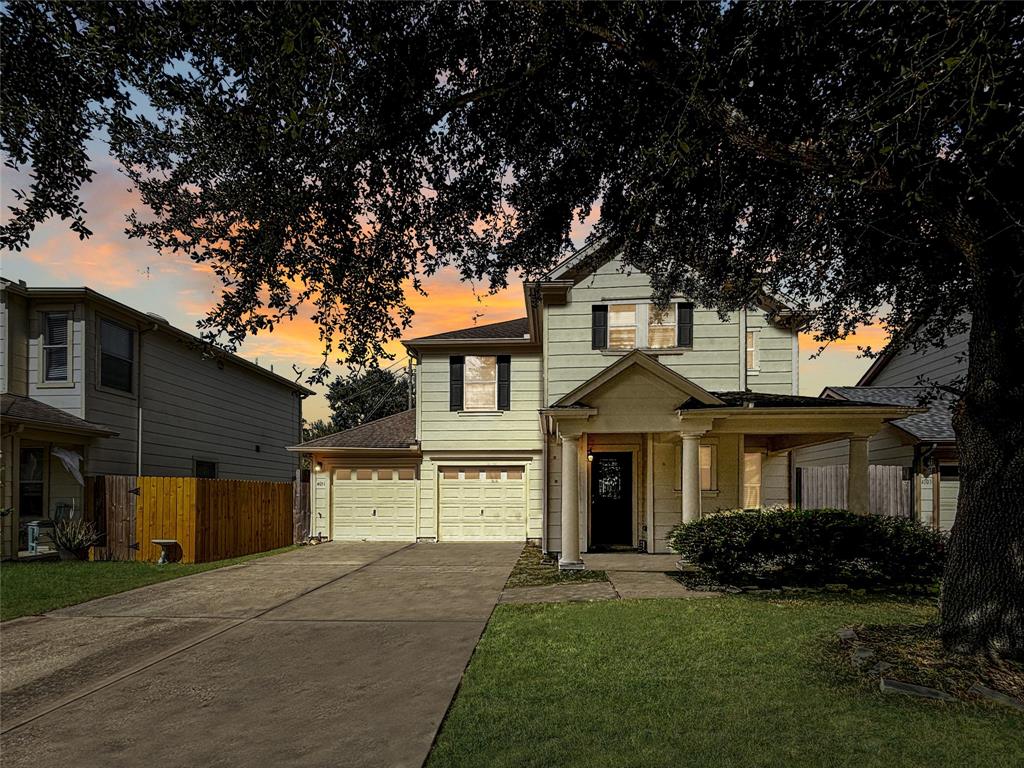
<point>858,491</point>
<point>570,557</point>
<point>691,476</point>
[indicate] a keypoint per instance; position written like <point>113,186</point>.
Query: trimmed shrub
<point>810,547</point>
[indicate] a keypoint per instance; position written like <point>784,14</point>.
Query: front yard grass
<point>732,681</point>
<point>32,588</point>
<point>532,570</point>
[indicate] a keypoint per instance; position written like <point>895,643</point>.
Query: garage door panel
<point>482,504</point>
<point>374,509</point>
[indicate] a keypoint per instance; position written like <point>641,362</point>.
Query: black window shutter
<point>684,325</point>
<point>598,327</point>
<point>456,366</point>
<point>504,383</point>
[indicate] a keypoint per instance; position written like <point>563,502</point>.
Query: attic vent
<point>161,318</point>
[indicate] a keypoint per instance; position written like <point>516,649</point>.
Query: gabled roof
<point>638,359</point>
<point>19,409</point>
<point>391,432</point>
<point>935,425</point>
<point>507,329</point>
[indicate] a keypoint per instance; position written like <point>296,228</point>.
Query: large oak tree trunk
<point>982,605</point>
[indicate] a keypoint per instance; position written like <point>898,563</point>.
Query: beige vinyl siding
<point>775,354</point>
<point>713,362</point>
<point>516,429</point>
<point>887,446</point>
<point>70,396</point>
<point>775,480</point>
<point>936,366</point>
<point>194,408</point>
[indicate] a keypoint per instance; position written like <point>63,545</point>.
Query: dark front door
<point>611,501</point>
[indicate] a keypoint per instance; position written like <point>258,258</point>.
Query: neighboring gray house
<point>596,422</point>
<point>93,387</point>
<point>923,444</point>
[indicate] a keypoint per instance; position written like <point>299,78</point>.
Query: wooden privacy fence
<point>891,489</point>
<point>212,519</point>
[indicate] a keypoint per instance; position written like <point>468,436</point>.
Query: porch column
<point>858,491</point>
<point>570,556</point>
<point>691,476</point>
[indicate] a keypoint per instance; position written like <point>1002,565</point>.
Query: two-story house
<point>598,421</point>
<point>93,387</point>
<point>924,444</point>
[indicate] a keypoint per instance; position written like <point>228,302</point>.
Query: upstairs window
<point>661,328</point>
<point>481,388</point>
<point>56,346</point>
<point>622,326</point>
<point>753,352</point>
<point>117,356</point>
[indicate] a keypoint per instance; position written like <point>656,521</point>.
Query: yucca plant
<point>75,537</point>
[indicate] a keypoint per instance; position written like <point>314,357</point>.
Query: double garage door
<point>481,503</point>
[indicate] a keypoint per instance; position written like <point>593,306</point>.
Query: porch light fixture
<point>590,455</point>
<point>318,467</point>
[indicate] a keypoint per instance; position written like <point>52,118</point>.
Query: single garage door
<point>374,504</point>
<point>483,503</point>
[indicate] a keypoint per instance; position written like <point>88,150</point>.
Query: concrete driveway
<point>345,654</point>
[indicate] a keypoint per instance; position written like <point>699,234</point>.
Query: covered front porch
<point>639,448</point>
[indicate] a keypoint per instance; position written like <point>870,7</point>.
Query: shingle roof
<point>764,400</point>
<point>507,329</point>
<point>25,410</point>
<point>936,425</point>
<point>397,431</point>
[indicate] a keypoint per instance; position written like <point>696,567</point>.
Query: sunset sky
<point>181,291</point>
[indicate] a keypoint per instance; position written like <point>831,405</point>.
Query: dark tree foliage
<point>311,430</point>
<point>366,395</point>
<point>862,159</point>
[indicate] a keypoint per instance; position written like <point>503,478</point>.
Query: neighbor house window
<point>661,327</point>
<point>751,480</point>
<point>117,356</point>
<point>56,346</point>
<point>708,468</point>
<point>206,469</point>
<point>753,351</point>
<point>622,326</point>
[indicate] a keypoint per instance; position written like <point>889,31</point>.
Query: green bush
<point>810,547</point>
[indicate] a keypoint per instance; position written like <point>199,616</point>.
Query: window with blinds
<point>56,346</point>
<point>751,480</point>
<point>117,356</point>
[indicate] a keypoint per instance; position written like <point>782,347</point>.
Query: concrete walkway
<point>340,654</point>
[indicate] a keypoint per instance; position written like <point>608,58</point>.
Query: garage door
<point>374,504</point>
<point>483,503</point>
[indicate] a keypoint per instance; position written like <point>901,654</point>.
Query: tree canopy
<point>860,158</point>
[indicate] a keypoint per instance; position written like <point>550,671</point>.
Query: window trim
<point>642,327</point>
<point>466,382</point>
<point>69,312</point>
<point>100,319</point>
<point>752,351</point>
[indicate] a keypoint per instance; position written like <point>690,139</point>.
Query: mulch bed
<point>917,656</point>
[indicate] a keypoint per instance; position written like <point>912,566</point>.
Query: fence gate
<point>113,512</point>
<point>891,489</point>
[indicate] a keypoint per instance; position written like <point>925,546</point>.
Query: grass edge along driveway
<point>31,588</point>
<point>725,682</point>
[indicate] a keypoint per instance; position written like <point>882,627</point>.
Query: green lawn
<point>37,587</point>
<point>532,570</point>
<point>731,681</point>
